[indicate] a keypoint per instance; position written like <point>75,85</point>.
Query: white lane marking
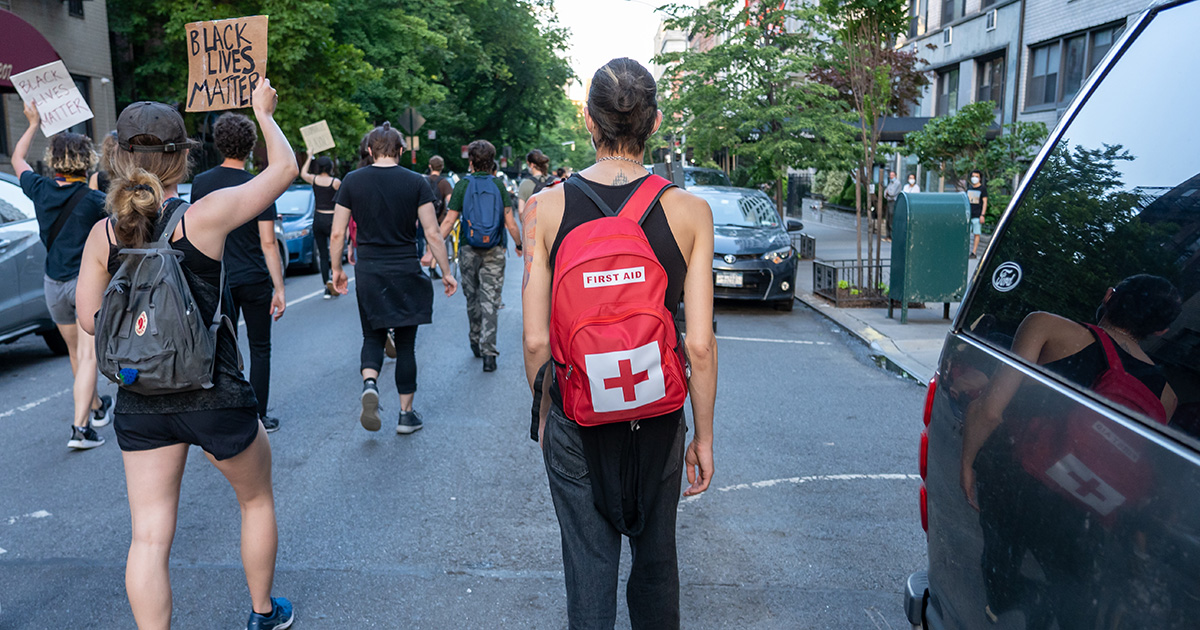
<point>30,405</point>
<point>321,291</point>
<point>37,514</point>
<point>811,478</point>
<point>3,551</point>
<point>761,340</point>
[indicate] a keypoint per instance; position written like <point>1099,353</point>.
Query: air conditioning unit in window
<point>947,35</point>
<point>991,19</point>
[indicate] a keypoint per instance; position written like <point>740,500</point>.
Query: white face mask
<point>974,180</point>
<point>911,181</point>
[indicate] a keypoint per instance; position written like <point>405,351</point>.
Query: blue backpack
<point>483,212</point>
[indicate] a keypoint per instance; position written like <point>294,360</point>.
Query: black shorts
<point>222,433</point>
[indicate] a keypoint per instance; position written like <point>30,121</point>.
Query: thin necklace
<point>619,157</point>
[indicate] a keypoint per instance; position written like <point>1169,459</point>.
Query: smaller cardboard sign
<point>226,60</point>
<point>52,89</point>
<point>317,137</point>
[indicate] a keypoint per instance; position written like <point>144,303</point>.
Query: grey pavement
<point>811,522</point>
<point>912,348</point>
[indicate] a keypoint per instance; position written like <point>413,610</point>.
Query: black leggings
<point>322,227</point>
<point>406,355</point>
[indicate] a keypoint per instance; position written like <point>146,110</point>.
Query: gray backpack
<point>150,336</point>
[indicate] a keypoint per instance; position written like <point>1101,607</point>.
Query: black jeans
<point>405,338</point>
<point>591,546</point>
<point>253,303</point>
<point>322,228</point>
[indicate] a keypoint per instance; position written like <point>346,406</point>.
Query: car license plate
<point>729,278</point>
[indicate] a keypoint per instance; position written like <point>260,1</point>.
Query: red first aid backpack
<point>1091,460</point>
<point>616,353</point>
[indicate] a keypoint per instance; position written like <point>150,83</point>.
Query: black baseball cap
<point>148,118</point>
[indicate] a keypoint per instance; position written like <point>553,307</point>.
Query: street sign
<point>411,120</point>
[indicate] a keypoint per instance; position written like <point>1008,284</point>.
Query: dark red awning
<point>21,48</point>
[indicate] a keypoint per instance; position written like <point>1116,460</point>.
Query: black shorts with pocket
<point>222,433</point>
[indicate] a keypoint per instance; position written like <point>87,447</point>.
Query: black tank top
<point>1085,366</point>
<point>324,196</point>
<point>578,209</point>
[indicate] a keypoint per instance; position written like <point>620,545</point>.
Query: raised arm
<point>221,211</point>
<point>304,172</point>
<point>20,166</point>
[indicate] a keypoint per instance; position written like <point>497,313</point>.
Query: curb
<point>881,346</point>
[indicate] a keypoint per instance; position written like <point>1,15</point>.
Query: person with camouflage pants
<point>482,268</point>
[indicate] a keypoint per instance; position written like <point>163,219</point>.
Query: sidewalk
<point>912,348</point>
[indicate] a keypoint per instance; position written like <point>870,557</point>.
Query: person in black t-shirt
<point>386,201</point>
<point>66,211</point>
<point>977,196</point>
<point>253,267</point>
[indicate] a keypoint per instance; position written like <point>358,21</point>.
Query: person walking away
<point>977,196</point>
<point>539,178</point>
<point>66,209</point>
<point>155,431</point>
<point>386,201</point>
<point>889,204</point>
<point>612,433</point>
<point>100,179</point>
<point>911,186</point>
<point>253,267</point>
<point>442,189</point>
<point>319,173</point>
<point>486,210</point>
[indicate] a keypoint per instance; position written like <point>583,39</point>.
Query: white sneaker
<point>102,416</point>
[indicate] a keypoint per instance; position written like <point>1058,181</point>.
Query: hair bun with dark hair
<point>623,104</point>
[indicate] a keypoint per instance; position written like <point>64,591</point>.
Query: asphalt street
<point>811,521</point>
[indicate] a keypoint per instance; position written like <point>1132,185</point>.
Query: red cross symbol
<point>1087,487</point>
<point>627,380</point>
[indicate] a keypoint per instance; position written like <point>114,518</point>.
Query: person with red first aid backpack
<point>611,252</point>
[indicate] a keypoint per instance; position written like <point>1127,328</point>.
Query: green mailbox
<point>929,250</point>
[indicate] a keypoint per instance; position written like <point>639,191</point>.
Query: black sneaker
<point>370,407</point>
<point>269,423</point>
<point>281,616</point>
<point>389,347</point>
<point>434,274</point>
<point>102,416</point>
<point>489,363</point>
<point>83,438</point>
<point>475,349</point>
<point>410,422</point>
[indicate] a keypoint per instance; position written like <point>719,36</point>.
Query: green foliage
<point>568,128</point>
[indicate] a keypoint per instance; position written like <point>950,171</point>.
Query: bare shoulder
<point>686,210</point>
<point>548,204</point>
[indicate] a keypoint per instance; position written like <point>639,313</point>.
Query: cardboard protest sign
<point>53,90</point>
<point>317,137</point>
<point>226,59</point>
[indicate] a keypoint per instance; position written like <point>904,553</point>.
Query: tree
<point>751,93</point>
<point>568,142</point>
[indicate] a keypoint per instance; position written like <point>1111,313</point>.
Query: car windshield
<point>705,178</point>
<point>14,205</point>
<point>293,202</point>
<point>741,209</point>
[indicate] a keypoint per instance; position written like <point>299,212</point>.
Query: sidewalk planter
<point>806,246</point>
<point>836,280</point>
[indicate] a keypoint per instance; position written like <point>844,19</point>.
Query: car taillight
<point>933,383</point>
<point>923,454</point>
<point>924,509</point>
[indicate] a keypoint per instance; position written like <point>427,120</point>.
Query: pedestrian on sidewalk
<point>319,173</point>
<point>253,267</point>
<point>66,210</point>
<point>911,186</point>
<point>155,431</point>
<point>486,210</point>
<point>442,190</point>
<point>620,477</point>
<point>890,194</point>
<point>386,201</point>
<point>977,196</point>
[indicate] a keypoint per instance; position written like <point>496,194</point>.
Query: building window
<point>947,92</point>
<point>991,19</point>
<point>948,7</point>
<point>75,8</point>
<point>84,85</point>
<point>987,3</point>
<point>948,35</point>
<point>914,23</point>
<point>1060,67</point>
<point>991,81</point>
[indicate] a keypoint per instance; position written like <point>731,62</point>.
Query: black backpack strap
<point>539,398</point>
<point>578,182</point>
<point>67,210</point>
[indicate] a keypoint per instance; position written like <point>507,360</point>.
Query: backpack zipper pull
<point>633,426</point>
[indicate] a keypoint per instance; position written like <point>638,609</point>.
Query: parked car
<point>753,257</point>
<point>698,176</point>
<point>22,267</point>
<point>296,208</point>
<point>1059,492</point>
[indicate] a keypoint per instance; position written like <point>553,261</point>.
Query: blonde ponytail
<point>134,200</point>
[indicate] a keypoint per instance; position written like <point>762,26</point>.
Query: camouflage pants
<point>482,281</point>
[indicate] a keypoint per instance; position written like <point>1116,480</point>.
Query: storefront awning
<point>21,48</point>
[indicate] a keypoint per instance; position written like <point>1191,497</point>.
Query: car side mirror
<point>794,225</point>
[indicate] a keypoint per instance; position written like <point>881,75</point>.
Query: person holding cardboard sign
<point>319,173</point>
<point>155,431</point>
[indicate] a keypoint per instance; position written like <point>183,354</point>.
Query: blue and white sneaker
<point>102,416</point>
<point>281,616</point>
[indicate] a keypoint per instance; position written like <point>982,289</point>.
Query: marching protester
<point>253,266</point>
<point>386,201</point>
<point>66,210</point>
<point>319,173</point>
<point>155,431</point>
<point>442,189</point>
<point>486,211</point>
<point>605,479</point>
<point>100,179</point>
<point>539,178</point>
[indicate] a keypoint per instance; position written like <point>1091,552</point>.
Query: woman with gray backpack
<point>200,397</point>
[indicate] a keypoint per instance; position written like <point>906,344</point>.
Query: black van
<point>1061,454</point>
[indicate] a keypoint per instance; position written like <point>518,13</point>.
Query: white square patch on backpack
<point>625,379</point>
